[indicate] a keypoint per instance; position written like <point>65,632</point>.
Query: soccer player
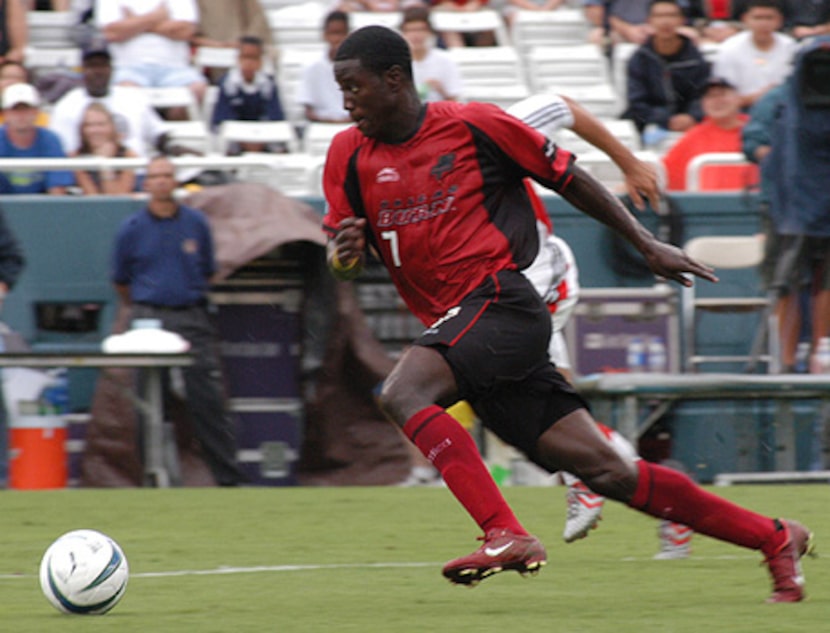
<point>554,275</point>
<point>437,190</point>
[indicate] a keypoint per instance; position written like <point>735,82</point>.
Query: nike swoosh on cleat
<point>495,551</point>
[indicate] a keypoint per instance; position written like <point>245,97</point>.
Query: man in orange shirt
<point>719,131</point>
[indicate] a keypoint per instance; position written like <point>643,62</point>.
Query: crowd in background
<point>695,73</point>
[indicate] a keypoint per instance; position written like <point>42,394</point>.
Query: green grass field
<point>368,560</point>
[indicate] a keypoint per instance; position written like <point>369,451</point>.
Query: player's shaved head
<point>378,49</point>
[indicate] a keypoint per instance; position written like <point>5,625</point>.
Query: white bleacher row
<point>296,175</point>
<point>500,74</point>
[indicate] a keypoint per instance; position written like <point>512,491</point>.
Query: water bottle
<point>55,396</point>
<point>635,356</point>
<point>802,357</point>
<point>820,362</point>
<point>657,358</point>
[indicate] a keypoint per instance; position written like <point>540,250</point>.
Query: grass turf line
<point>353,542</point>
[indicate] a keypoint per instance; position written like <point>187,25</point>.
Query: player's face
<point>366,97</point>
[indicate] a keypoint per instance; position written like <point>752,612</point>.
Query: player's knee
<point>615,479</point>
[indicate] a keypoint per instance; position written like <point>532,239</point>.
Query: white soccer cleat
<point>675,541</point>
<point>584,511</point>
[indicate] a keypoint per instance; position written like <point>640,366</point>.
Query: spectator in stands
<point>317,91</point>
<point>48,5</point>
<point>12,262</point>
<point>138,124</point>
<point>14,31</point>
<point>720,131</point>
<point>100,138</point>
<point>12,72</point>
<point>595,13</point>
<point>666,75</point>
<point>150,45</point>
<point>528,5</point>
<point>792,148</point>
<point>247,93</point>
<point>811,18</point>
<point>223,22</point>
<point>759,57</point>
<point>367,5</point>
<point>453,38</point>
<point>21,138</point>
<point>756,145</point>
<point>435,73</point>
<point>163,261</point>
<point>714,20</point>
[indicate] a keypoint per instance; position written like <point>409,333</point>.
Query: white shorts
<point>555,276</point>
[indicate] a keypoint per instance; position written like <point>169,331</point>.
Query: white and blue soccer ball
<point>84,572</point>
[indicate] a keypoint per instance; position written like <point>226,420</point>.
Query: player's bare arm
<point>641,179</point>
<point>591,197</point>
<point>346,250</point>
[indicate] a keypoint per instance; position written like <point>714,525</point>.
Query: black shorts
<point>496,343</point>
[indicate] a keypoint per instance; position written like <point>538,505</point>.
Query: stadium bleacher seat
<point>601,100</point>
<point>282,132</point>
<point>488,66</point>
<point>290,65</point>
<point>191,134</point>
<point>471,22</point>
<point>317,136</point>
<point>299,24</point>
<point>561,67</point>
<point>50,29</point>
<point>174,96</point>
<point>359,19</point>
<point>40,59</point>
<point>544,28</point>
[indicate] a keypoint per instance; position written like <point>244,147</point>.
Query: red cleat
<point>785,564</point>
<point>502,550</point>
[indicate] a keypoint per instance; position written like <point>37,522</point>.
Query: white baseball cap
<point>20,93</point>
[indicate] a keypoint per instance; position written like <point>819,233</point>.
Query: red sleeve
<point>338,207</point>
<point>542,159</point>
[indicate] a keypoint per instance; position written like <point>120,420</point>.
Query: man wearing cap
<point>21,138</point>
<point>720,131</point>
<point>139,124</point>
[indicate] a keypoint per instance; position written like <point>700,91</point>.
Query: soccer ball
<point>84,572</point>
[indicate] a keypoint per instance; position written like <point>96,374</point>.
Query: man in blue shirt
<point>162,264</point>
<point>21,138</point>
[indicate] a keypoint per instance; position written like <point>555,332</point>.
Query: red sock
<point>449,447</point>
<point>668,494</point>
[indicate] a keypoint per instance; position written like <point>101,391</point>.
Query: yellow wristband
<point>343,268</point>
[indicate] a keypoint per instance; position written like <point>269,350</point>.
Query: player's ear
<point>395,77</point>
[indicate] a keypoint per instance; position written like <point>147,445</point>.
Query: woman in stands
<point>100,137</point>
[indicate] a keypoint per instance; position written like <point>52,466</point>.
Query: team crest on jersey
<point>388,174</point>
<point>190,246</point>
<point>444,165</point>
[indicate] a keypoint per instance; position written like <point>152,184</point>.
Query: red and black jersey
<point>447,207</point>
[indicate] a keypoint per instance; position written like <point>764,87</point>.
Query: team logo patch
<point>388,174</point>
<point>190,246</point>
<point>445,164</point>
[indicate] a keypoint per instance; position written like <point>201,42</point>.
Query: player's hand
<point>642,179</point>
<point>347,248</point>
<point>670,262</point>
